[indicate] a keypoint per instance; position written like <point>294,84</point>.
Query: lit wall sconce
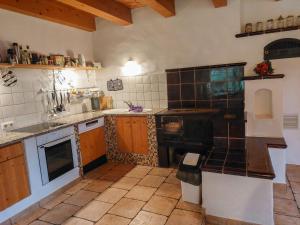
<point>131,68</point>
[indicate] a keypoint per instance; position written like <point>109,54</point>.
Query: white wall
<point>199,35</point>
<point>43,36</point>
<point>23,103</point>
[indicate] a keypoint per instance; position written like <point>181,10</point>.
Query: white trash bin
<point>189,174</point>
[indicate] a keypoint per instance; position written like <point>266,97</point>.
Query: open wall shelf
<point>267,31</point>
<point>43,67</point>
<point>257,77</point>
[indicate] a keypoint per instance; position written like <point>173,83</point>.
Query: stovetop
<point>188,111</point>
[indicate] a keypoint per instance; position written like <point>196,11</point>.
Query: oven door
<point>57,158</point>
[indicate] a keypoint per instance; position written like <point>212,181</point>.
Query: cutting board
<point>105,102</point>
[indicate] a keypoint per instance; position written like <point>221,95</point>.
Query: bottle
<point>29,54</point>
<point>16,53</point>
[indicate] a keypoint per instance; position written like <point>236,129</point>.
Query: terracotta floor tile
<point>293,173</point>
<point>148,218</point>
<point>160,205</point>
<point>189,206</point>
<point>141,193</point>
<point>94,210</point>
<point>50,204</point>
<point>286,220</point>
<point>182,217</point>
<point>152,181</point>
<point>282,191</point>
<point>163,172</point>
<point>81,198</point>
<point>172,179</point>
<point>111,195</point>
<point>60,213</point>
<point>100,171</point>
<point>113,220</point>
<point>169,190</point>
<point>295,187</point>
<point>139,172</point>
<point>126,183</point>
<point>297,198</point>
<point>29,217</point>
<point>77,221</point>
<point>113,175</point>
<point>38,222</point>
<point>124,167</point>
<point>98,185</point>
<point>128,208</point>
<point>76,188</point>
<point>286,207</point>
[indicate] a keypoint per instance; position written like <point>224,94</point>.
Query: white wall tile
<point>147,87</point>
<point>139,88</point>
<point>29,96</point>
<point>18,98</point>
<point>6,99</point>
<point>155,95</point>
<point>140,96</point>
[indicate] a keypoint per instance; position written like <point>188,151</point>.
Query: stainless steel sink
<point>38,127</point>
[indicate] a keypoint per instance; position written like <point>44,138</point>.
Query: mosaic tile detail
<point>150,159</point>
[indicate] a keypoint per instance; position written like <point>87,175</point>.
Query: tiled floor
<point>122,195</point>
<point>119,195</point>
<point>286,199</point>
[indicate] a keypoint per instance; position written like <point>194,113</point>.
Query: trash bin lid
<point>191,159</point>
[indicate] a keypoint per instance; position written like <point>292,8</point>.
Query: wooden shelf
<point>257,77</point>
<point>267,31</point>
<point>43,67</point>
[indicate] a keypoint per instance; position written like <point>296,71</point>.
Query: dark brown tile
<point>173,78</point>
<point>188,92</point>
<point>202,75</point>
<point>203,91</point>
<point>174,104</point>
<point>187,76</point>
<point>173,92</point>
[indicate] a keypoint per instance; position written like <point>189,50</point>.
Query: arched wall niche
<point>263,104</point>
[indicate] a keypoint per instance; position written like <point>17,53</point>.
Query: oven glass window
<point>59,159</point>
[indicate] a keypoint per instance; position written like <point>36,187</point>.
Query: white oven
<point>57,153</point>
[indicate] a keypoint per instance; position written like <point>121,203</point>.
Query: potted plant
<point>265,68</point>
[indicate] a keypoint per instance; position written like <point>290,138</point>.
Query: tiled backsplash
<point>149,90</point>
<point>25,104</point>
<point>220,87</point>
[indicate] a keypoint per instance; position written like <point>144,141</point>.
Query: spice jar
<point>270,24</point>
<point>248,28</point>
<point>280,22</point>
<point>259,26</point>
<point>290,21</point>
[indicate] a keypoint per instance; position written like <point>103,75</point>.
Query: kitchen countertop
<point>13,137</point>
<point>253,161</point>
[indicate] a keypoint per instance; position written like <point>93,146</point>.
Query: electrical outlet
<point>6,126</point>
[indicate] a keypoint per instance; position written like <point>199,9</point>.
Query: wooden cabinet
<point>92,145</point>
<point>14,184</point>
<point>132,134</point>
<point>124,134</point>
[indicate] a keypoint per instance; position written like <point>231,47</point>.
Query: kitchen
<point>172,61</point>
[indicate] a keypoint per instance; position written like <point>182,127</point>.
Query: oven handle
<point>52,143</point>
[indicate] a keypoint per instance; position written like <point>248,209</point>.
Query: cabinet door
<point>140,135</point>
<point>11,151</point>
<point>124,134</point>
<point>14,185</point>
<point>92,145</point>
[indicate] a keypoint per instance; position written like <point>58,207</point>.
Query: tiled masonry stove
<point>206,115</point>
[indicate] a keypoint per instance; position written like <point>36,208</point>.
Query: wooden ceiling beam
<point>52,11</point>
<point>219,3</point>
<point>164,7</point>
<point>106,9</point>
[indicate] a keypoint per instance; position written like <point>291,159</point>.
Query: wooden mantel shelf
<point>267,31</point>
<point>43,67</point>
<point>257,77</point>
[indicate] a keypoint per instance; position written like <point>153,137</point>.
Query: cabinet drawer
<point>90,125</point>
<point>11,151</point>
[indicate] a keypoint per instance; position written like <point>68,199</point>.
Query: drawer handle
<point>88,124</point>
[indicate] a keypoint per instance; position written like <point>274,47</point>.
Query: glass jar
<point>248,28</point>
<point>289,21</point>
<point>280,22</point>
<point>259,26</point>
<point>270,24</point>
